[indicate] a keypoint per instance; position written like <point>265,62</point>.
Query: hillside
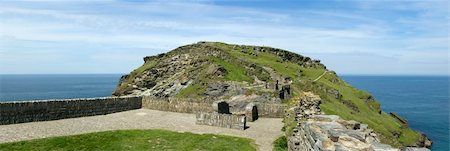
<point>223,71</point>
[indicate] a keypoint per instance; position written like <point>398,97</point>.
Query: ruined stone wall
<point>181,105</point>
<point>221,120</point>
<point>330,132</point>
<point>318,132</point>
<point>195,105</point>
<point>271,110</point>
<point>44,110</point>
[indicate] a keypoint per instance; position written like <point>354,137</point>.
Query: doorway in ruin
<point>254,113</point>
<point>223,108</point>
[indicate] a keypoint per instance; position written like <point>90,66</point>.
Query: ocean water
<point>56,86</point>
<point>422,100</point>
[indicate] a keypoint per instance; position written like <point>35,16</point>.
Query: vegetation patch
<point>135,140</point>
<point>280,144</point>
<point>194,90</point>
<point>235,71</point>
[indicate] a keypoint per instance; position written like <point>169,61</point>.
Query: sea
<point>56,86</point>
<point>422,100</point>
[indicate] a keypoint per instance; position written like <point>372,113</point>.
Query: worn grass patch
<point>135,140</point>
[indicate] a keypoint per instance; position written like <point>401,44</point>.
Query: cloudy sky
<point>350,37</point>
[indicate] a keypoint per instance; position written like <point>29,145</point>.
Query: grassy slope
<point>135,140</point>
<point>381,123</point>
<point>235,71</point>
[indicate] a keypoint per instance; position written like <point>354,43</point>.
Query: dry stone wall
<point>44,110</point>
<point>181,105</point>
<point>222,120</point>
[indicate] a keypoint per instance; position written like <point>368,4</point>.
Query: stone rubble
<point>318,132</point>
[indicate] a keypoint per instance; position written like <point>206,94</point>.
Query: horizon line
<point>345,74</point>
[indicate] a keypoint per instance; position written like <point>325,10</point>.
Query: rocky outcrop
<point>330,133</point>
<point>318,132</point>
<point>217,89</point>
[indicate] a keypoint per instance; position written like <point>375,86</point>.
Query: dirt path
<point>318,78</point>
<point>264,131</point>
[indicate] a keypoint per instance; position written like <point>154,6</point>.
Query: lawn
<point>135,140</point>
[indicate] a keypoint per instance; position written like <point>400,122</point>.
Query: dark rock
<point>216,89</point>
<point>220,72</point>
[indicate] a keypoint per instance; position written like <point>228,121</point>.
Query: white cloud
<point>130,30</point>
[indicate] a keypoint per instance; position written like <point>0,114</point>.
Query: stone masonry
<point>44,110</point>
<point>318,132</point>
<point>221,120</point>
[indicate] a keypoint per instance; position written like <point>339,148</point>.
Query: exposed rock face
<point>216,89</point>
<point>330,132</point>
<point>424,142</point>
<point>318,132</point>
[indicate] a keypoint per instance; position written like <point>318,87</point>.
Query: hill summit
<point>264,74</point>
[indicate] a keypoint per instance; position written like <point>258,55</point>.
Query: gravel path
<point>264,131</point>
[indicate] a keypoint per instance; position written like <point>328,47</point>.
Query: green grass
<point>280,144</point>
<point>408,136</point>
<point>194,90</point>
<point>285,68</point>
<point>235,72</point>
<point>135,140</point>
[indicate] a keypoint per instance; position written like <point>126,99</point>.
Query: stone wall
<point>187,105</point>
<point>221,120</point>
<point>181,105</point>
<point>44,110</point>
<point>271,110</point>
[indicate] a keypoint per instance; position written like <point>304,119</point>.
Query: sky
<point>349,37</point>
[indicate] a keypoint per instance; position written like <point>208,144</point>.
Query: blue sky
<point>349,37</point>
